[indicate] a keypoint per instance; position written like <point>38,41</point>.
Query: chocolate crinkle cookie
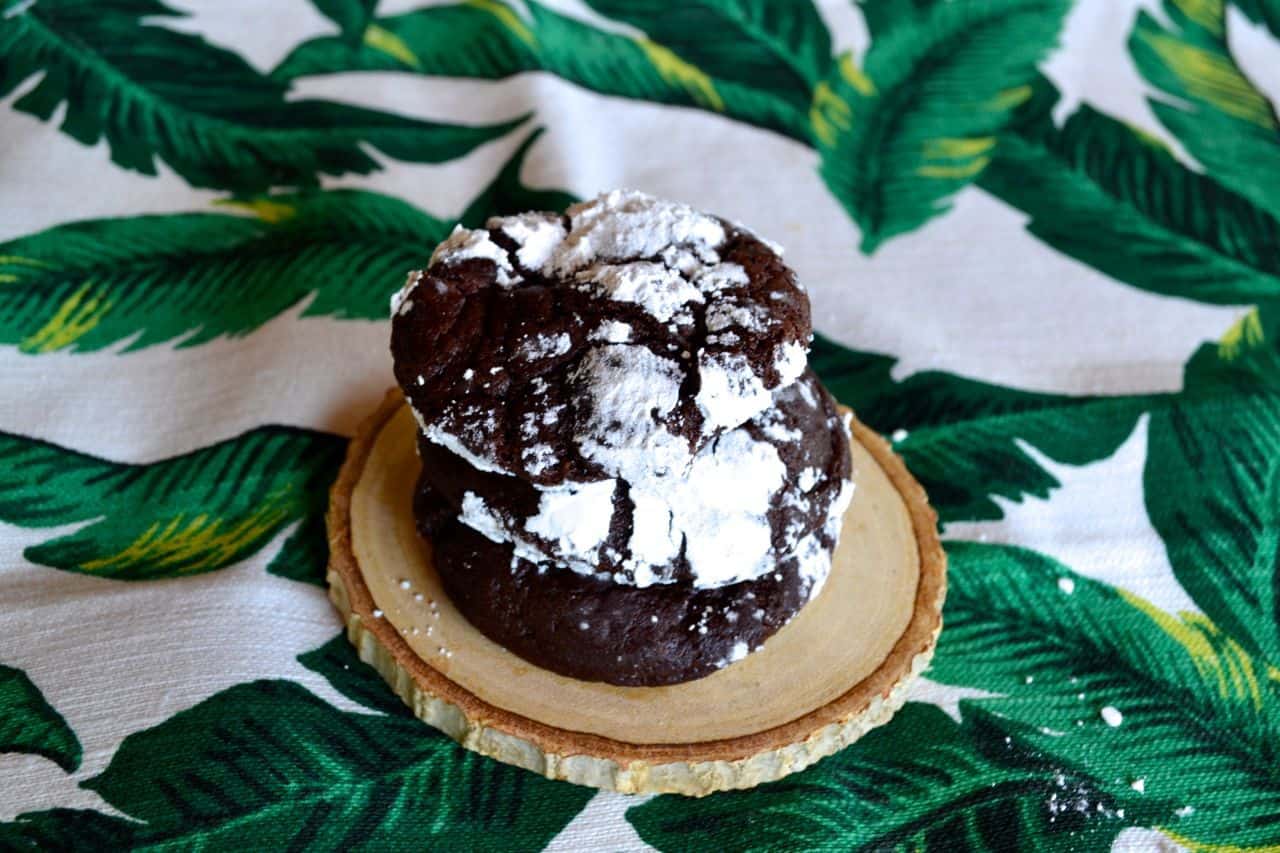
<point>629,473</point>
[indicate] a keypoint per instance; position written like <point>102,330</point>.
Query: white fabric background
<point>971,292</point>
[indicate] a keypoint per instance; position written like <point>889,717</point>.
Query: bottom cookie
<point>593,629</point>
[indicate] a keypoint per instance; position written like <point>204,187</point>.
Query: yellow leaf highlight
<point>74,319</point>
<point>190,546</point>
<point>6,278</point>
<point>853,75</point>
<point>508,18</point>
<point>263,208</point>
<point>967,170</point>
<point>1208,14</point>
<point>677,72</point>
<point>948,148</point>
<point>1148,138</point>
<point>1245,334</point>
<point>828,114</point>
<point>384,41</point>
<point>1219,659</point>
<point>18,260</point>
<point>1009,98</point>
<point>1212,77</point>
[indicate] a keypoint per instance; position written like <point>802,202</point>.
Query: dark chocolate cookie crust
<point>462,352</point>
<point>594,629</point>
<point>802,425</point>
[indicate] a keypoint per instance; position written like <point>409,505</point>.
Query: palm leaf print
<point>196,276</point>
<point>66,829</point>
<point>351,16</point>
<point>336,660</point>
<point>507,193</point>
<point>267,764</point>
<point>963,439</point>
<point>918,121</point>
<point>28,723</point>
<point>193,277</point>
<point>1094,710</point>
<point>1209,104</point>
<point>881,16</point>
<point>1212,485</point>
<point>1265,12</point>
<point>155,92</point>
<point>1099,191</point>
<point>490,39</point>
<point>777,47</point>
<point>1246,358</point>
<point>923,782</point>
<point>1105,684</point>
<point>187,514</point>
<point>304,556</point>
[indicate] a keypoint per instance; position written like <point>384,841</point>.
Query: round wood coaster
<point>840,668</point>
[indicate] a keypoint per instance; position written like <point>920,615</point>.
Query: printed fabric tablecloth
<point>1042,241</point>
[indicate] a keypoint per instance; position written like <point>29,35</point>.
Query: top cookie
<point>625,342</point>
<point>498,345</point>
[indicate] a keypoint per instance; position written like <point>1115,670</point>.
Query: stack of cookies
<point>629,473</point>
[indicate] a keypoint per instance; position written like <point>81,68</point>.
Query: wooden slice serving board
<point>840,668</point>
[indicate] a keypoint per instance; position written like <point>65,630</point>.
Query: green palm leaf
<point>304,556</point>
<point>1265,12</point>
<point>183,515</point>
<point>919,783</point>
<point>777,46</point>
<point>351,16</point>
<point>1247,358</point>
<point>965,438</point>
<point>1217,113</point>
<point>883,15</point>
<point>1098,191</point>
<point>489,39</point>
<point>155,92</point>
<point>1103,683</point>
<point>28,723</point>
<point>1212,485</point>
<point>507,193</point>
<point>486,40</point>
<point>919,121</point>
<point>337,661</point>
<point>67,829</point>
<point>267,765</point>
<point>196,276</point>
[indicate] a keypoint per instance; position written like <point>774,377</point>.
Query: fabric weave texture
<point>1042,243</point>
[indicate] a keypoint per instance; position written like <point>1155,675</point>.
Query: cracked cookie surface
<point>617,397</point>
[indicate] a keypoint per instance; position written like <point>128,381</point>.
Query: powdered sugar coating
<point>723,315</point>
<point>661,292</point>
<point>546,346</point>
<point>401,296</point>
<point>725,515</point>
<point>465,245</point>
<point>791,361</point>
<point>537,234</point>
<point>576,517</point>
<point>625,225</point>
<point>731,392</point>
<point>612,332</point>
